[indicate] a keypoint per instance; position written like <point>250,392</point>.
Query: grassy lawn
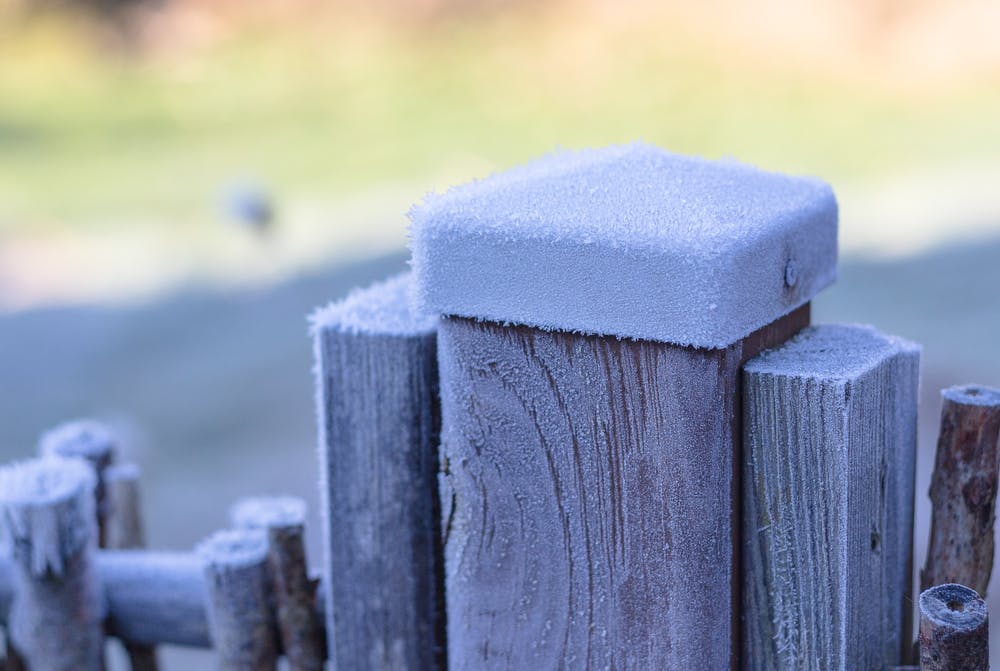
<point>96,139</point>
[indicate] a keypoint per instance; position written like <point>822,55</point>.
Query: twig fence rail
<point>592,429</point>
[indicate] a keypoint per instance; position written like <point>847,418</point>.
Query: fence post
<point>239,601</point>
<point>954,630</point>
<point>49,524</point>
<point>283,519</point>
<point>377,404</point>
<point>830,423</point>
<point>123,530</point>
<point>92,442</point>
<point>964,489</point>
<point>591,482</point>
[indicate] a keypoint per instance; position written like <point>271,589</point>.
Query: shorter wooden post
<point>123,530</point>
<point>91,441</point>
<point>239,611</point>
<point>964,489</point>
<point>379,420</point>
<point>830,424</point>
<point>301,630</point>
<point>954,630</point>
<point>123,523</point>
<point>48,520</point>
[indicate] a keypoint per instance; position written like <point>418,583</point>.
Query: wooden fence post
<point>964,490</point>
<point>119,524</point>
<point>123,530</point>
<point>377,403</point>
<point>283,519</point>
<point>91,441</point>
<point>591,482</point>
<point>954,630</point>
<point>239,601</point>
<point>56,617</point>
<point>830,424</point>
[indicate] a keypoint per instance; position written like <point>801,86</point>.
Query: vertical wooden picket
<point>830,423</point>
<point>377,402</point>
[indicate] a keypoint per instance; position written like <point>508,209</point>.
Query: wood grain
<point>589,493</point>
<point>124,530</point>
<point>830,440</point>
<point>379,433</point>
<point>964,490</point>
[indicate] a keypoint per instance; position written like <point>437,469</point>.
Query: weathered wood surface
<point>152,597</point>
<point>590,498</point>
<point>56,614</point>
<point>123,525</point>
<point>830,425</point>
<point>964,490</point>
<point>123,530</point>
<point>92,441</point>
<point>954,630</point>
<point>379,432</point>
<point>240,616</point>
<point>300,626</point>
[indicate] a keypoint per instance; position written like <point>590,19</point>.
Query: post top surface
<point>831,351</point>
<point>380,309</point>
<point>631,241</point>
<point>634,197</point>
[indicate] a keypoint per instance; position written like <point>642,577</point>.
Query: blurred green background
<point>133,289</point>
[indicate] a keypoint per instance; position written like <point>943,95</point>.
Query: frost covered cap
<point>630,241</point>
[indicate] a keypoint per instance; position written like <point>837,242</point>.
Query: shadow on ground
<point>216,389</point>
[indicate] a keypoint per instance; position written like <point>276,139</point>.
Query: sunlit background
<point>182,181</point>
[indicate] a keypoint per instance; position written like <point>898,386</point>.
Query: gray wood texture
<point>123,530</point>
<point>964,490</point>
<point>590,498</point>
<point>92,441</point>
<point>56,614</point>
<point>830,442</point>
<point>954,630</point>
<point>299,624</point>
<point>240,617</point>
<point>379,428</point>
<point>123,525</point>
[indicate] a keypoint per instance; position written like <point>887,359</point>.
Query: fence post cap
<point>830,352</point>
<point>631,241</point>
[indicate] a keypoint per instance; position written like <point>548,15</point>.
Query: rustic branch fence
<point>592,429</point>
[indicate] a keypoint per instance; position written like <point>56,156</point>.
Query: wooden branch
<point>123,522</point>
<point>239,601</point>
<point>301,629</point>
<point>91,441</point>
<point>591,497</point>
<point>123,530</point>
<point>830,424</point>
<point>377,402</point>
<point>155,597</point>
<point>56,614</point>
<point>954,630</point>
<point>964,489</point>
